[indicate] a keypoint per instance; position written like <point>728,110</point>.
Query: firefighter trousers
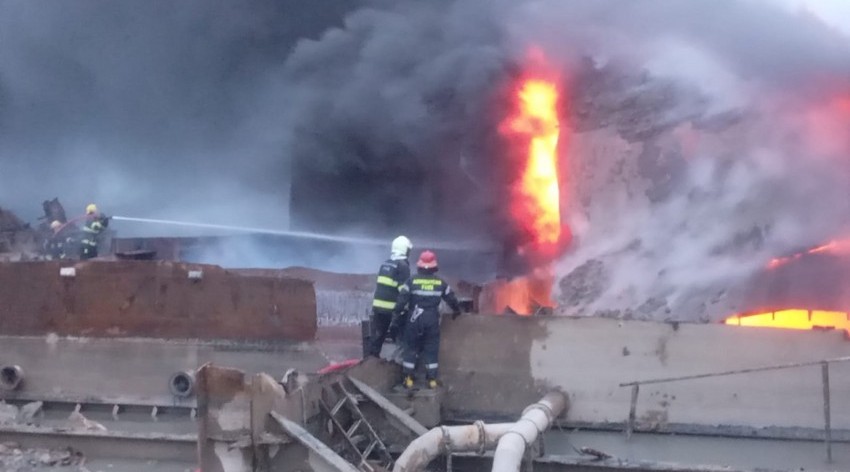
<point>88,249</point>
<point>422,342</point>
<point>380,325</point>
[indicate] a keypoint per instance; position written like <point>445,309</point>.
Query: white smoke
<point>671,219</point>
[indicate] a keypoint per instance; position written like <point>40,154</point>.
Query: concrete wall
<point>138,370</point>
<point>153,299</point>
<point>496,365</point>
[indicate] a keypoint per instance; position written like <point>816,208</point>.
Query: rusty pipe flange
<point>11,377</point>
<point>182,384</point>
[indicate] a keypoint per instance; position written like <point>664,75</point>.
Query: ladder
<point>360,431</point>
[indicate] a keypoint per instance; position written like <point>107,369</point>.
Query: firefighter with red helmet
<point>420,298</point>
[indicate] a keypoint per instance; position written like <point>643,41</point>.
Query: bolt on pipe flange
<point>182,384</point>
<point>11,377</point>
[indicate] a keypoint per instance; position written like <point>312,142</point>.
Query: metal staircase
<point>364,442</point>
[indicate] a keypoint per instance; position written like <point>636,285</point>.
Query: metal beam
<point>309,441</point>
<point>389,407</point>
<point>827,417</point>
<point>733,372</point>
<point>104,444</point>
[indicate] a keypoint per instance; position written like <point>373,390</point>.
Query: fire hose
<point>299,234</point>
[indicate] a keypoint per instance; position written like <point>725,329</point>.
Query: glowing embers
<point>527,295</point>
<point>794,319</point>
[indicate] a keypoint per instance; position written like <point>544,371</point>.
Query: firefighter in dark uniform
<point>393,273</point>
<point>95,224</point>
<point>54,246</point>
<point>420,298</point>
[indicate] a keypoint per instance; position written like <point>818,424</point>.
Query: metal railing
<point>635,385</point>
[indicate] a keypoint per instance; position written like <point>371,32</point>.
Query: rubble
<point>29,411</point>
<point>583,285</point>
<point>14,458</point>
<point>9,222</point>
<point>17,240</point>
<point>78,421</point>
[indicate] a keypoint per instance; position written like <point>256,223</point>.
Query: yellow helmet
<point>91,209</point>
<point>55,225</point>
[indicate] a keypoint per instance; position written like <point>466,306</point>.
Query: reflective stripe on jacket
<point>391,275</point>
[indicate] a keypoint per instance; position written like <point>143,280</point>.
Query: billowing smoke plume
<point>705,137</point>
<point>702,135</point>
<point>708,143</point>
<point>398,111</point>
<point>152,108</point>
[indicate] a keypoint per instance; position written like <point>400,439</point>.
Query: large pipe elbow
<point>477,437</point>
<point>420,452</point>
<point>510,438</point>
<point>11,377</point>
<point>536,419</point>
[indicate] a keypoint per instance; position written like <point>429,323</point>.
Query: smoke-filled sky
<point>150,107</point>
<point>196,109</point>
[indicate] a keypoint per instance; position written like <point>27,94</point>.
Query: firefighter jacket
<point>391,275</point>
<point>423,293</point>
<point>55,245</point>
<point>93,227</point>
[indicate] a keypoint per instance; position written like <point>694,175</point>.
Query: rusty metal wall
<point>153,299</point>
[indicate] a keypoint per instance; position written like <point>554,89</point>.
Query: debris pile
<point>14,458</point>
<point>17,240</point>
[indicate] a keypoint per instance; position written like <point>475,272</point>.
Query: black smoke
<point>382,117</point>
<point>150,108</point>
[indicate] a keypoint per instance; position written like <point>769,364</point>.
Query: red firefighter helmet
<point>427,260</point>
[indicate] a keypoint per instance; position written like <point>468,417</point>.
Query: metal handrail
<point>824,375</point>
<point>733,372</point>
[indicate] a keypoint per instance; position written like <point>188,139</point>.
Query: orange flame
<point>794,319</point>
<point>522,295</point>
<point>537,203</point>
<point>799,318</point>
<point>839,247</point>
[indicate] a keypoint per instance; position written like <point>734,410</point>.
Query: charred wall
<point>153,299</point>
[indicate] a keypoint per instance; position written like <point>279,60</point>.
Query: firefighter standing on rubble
<point>392,274</point>
<point>420,298</point>
<point>95,224</point>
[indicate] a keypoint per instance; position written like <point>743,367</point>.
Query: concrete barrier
<point>495,365</point>
<point>153,299</point>
<point>139,371</point>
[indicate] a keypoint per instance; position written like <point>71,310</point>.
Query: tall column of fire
<point>534,129</point>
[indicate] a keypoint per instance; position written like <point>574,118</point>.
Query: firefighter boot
<point>432,384</point>
<point>408,382</point>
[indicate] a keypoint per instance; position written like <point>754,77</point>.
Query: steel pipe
<point>11,377</point>
<point>535,420</point>
<point>182,384</point>
<point>477,437</point>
